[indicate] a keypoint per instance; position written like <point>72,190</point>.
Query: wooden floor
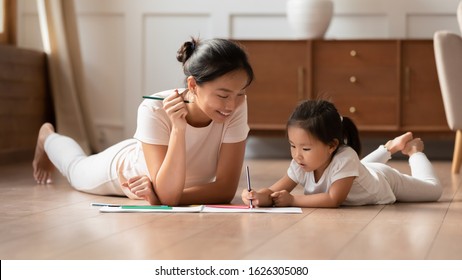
<point>57,222</point>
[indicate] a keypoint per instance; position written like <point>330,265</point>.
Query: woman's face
<point>218,99</point>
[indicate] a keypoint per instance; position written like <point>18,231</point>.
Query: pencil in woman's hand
<point>158,98</point>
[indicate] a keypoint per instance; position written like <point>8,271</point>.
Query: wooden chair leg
<point>457,157</point>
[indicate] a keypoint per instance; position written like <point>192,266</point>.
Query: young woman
<point>325,147</point>
<point>187,149</point>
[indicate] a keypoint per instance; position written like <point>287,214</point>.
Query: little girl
<point>325,148</point>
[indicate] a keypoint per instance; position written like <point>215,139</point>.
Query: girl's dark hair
<point>210,59</point>
<point>321,119</point>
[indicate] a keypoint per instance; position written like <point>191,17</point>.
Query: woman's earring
<point>191,96</point>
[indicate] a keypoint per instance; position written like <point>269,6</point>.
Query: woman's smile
<point>224,114</point>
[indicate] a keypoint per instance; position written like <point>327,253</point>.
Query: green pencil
<point>147,207</point>
<point>159,98</point>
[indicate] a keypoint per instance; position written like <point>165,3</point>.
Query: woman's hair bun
<point>186,50</point>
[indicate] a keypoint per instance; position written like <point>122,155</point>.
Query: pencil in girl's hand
<point>249,188</point>
<point>158,98</point>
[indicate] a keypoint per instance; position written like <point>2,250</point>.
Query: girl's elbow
<point>329,204</point>
<point>336,203</point>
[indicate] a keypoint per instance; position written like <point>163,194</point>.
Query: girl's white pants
<point>421,185</point>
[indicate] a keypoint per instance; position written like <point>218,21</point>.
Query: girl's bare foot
<point>398,143</point>
<point>413,146</point>
<point>43,168</point>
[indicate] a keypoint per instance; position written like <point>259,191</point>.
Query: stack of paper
<point>111,208</point>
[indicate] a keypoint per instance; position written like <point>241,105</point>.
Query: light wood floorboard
<point>57,222</point>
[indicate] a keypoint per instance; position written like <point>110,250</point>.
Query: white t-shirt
<point>202,143</point>
<point>369,187</point>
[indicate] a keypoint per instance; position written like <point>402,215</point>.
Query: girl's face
<point>310,153</point>
<point>216,100</point>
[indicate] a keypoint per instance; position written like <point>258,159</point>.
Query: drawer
<point>355,54</point>
<point>362,67</point>
<point>364,82</point>
<point>368,112</point>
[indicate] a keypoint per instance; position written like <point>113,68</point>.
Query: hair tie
<point>341,119</point>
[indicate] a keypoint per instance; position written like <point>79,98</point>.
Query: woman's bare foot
<point>43,168</point>
<point>398,143</point>
<point>413,146</point>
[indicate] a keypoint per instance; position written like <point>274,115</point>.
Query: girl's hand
<point>247,196</point>
<point>141,186</point>
<point>261,198</point>
<point>282,198</point>
<point>175,108</point>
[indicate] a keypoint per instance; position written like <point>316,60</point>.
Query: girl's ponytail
<point>351,135</point>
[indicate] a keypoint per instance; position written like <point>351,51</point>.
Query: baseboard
<point>278,148</point>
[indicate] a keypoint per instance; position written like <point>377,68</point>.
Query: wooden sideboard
<point>383,85</point>
<point>25,101</point>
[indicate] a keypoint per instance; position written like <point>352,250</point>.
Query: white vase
<point>309,19</point>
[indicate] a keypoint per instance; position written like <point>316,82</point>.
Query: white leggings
<point>422,185</point>
<point>94,174</point>
<point>97,173</point>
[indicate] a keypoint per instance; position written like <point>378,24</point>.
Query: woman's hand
<point>175,108</point>
<point>141,186</point>
<point>282,198</point>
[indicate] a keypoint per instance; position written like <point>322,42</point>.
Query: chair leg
<point>457,157</point>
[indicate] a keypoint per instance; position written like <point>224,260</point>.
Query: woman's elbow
<point>224,193</point>
<point>226,199</point>
<point>167,196</point>
<point>169,199</point>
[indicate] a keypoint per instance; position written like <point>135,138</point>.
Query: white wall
<point>129,46</point>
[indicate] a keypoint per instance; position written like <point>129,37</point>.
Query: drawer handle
<point>407,83</point>
<point>301,82</point>
<point>353,79</point>
<point>353,53</point>
<point>352,109</point>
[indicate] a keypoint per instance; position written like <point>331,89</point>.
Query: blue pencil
<point>249,188</point>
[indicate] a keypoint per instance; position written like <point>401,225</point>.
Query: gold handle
<point>301,82</point>
<point>407,83</point>
<point>353,79</point>
<point>352,109</point>
<point>353,53</point>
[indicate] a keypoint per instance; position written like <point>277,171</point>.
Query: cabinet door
<point>422,103</point>
<point>361,78</point>
<point>280,81</point>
